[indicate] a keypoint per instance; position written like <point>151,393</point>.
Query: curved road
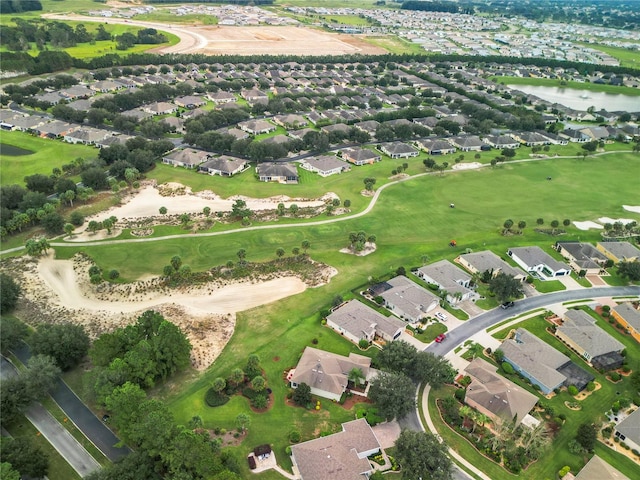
<point>51,429</point>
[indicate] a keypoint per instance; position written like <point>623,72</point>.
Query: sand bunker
<point>630,208</point>
<point>466,166</point>
<point>57,291</point>
<point>148,200</point>
<point>587,225</point>
<point>624,221</point>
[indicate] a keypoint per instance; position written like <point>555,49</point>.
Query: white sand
<point>466,166</point>
<point>147,202</point>
<point>624,221</point>
<point>630,208</point>
<point>587,225</point>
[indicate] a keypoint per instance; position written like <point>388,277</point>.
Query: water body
<point>583,99</point>
<point>13,151</point>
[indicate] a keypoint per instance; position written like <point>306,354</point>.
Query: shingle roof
<point>630,427</point>
<point>356,317</point>
<point>486,260</point>
<point>630,314</point>
<point>408,296</point>
<point>447,275</point>
<point>533,256</point>
<point>621,250</point>
<point>581,328</point>
<point>598,469</point>
<point>584,254</point>
<point>325,163</point>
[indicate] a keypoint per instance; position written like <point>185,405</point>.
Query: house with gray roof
<point>598,469</point>
<point>436,146</point>
<point>406,299</point>
<point>356,321</point>
<point>325,165</point>
<point>221,97</point>
<point>277,172</point>
<point>629,317</point>
<point>467,143</point>
<point>368,126</point>
<point>186,157</point>
<point>26,123</point>
<point>86,135</point>
<point>619,251</point>
<point>160,108</point>
<point>580,332</point>
<point>360,156</point>
<point>495,396</point>
<point>291,121</point>
<point>455,281</point>
<point>399,150</point>
<point>487,261</point>
<point>55,129</point>
<point>256,127</point>
<point>628,430</point>
<point>328,373</point>
<point>582,257</point>
<point>341,456</point>
<point>538,263</point>
<point>535,359</point>
<point>501,141</point>
<point>224,165</point>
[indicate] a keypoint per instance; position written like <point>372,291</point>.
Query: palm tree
<point>475,349</point>
<point>356,376</point>
<point>237,376</point>
<point>305,245</point>
<point>466,411</point>
<point>481,419</point>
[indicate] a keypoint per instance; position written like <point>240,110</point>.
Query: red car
<point>440,338</point>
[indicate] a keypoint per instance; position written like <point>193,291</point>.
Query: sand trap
<point>587,225</point>
<point>466,166</point>
<point>147,202</point>
<point>631,208</point>
<point>624,221</point>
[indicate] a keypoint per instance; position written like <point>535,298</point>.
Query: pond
<point>583,99</point>
<point>13,151</point>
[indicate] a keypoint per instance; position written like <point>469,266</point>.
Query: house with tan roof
<point>495,396</point>
<point>360,156</point>
<point>580,332</point>
<point>487,261</point>
<point>455,281</point>
<point>399,150</point>
<point>341,456</point>
<point>256,127</point>
<point>328,373</point>
<point>325,165</point>
<point>627,315</point>
<point>187,158</point>
<point>277,172</point>
<point>356,321</point>
<point>224,165</point>
<point>406,299</point>
<point>436,146</point>
<point>619,251</point>
<point>598,469</point>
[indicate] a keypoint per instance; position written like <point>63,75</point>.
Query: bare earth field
<point>241,40</point>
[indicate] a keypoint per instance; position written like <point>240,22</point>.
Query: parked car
<point>441,316</point>
<point>440,338</point>
<point>507,305</point>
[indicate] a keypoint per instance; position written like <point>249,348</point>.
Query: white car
<point>441,316</point>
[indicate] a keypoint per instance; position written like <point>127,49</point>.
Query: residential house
<point>487,261</point>
<point>187,158</point>
<point>368,126</point>
<point>406,299</point>
<point>254,95</point>
<point>596,133</point>
<point>399,150</point>
<point>501,141</point>
<point>77,91</point>
<point>495,396</point>
<point>338,127</point>
<point>467,143</point>
<point>539,263</point>
<point>290,121</point>
<point>160,108</point>
<point>328,373</point>
<point>531,139</point>
<point>256,127</point>
<point>628,430</point>
<point>598,469</point>
<point>221,97</point>
<point>224,166</point>
<point>325,165</point>
<point>455,281</point>
<point>55,129</point>
<point>190,101</point>
<point>341,456</point>
<point>356,321</point>
<point>575,136</point>
<point>436,146</point>
<point>360,156</point>
<point>627,315</point>
<point>619,251</point>
<point>277,172</point>
<point>86,135</point>
<point>580,332</point>
<point>27,123</point>
<point>542,364</point>
<point>582,257</point>
<point>299,134</point>
<point>104,86</point>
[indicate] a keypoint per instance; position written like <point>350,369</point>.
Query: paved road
<point>59,437</point>
<point>92,427</point>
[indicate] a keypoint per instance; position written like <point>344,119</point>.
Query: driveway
<point>92,427</point>
<point>58,436</point>
<point>387,433</point>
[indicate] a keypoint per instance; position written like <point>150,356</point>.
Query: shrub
<point>606,308</point>
<point>591,386</point>
<point>363,343</point>
<point>287,450</point>
<point>76,219</point>
<point>615,376</point>
<point>314,341</point>
<point>573,390</point>
<point>260,401</point>
<point>507,368</point>
<point>626,369</point>
<point>564,470</point>
<point>215,399</point>
<point>606,314</point>
<point>460,394</point>
<point>294,436</point>
<point>113,274</point>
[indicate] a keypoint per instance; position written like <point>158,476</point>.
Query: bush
<point>363,343</point>
<point>215,399</point>
<point>606,308</point>
<point>626,369</point>
<point>287,450</point>
<point>614,376</point>
<point>113,274</point>
<point>260,401</point>
<point>564,470</point>
<point>294,436</point>
<point>507,368</point>
<point>76,219</point>
<point>606,314</point>
<point>591,386</point>
<point>573,390</point>
<point>460,394</point>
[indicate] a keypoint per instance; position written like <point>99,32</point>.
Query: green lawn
<point>628,58</point>
<point>548,286</point>
<point>168,17</point>
<point>431,332</point>
<point>548,82</point>
<point>48,155</point>
<point>394,44</point>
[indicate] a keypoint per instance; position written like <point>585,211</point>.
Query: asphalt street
<point>60,438</point>
<point>93,428</point>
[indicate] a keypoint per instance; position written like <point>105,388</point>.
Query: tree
<point>237,376</point>
<point>242,254</point>
<point>41,376</point>
<point>9,293</point>
<point>293,209</point>
<point>522,224</point>
<point>369,183</point>
<point>630,270</point>
<point>566,222</point>
<point>53,223</point>
<point>586,436</point>
<point>422,456</point>
<point>554,224</point>
<point>243,421</point>
<point>162,210</point>
<point>95,178</point>
<point>12,331</point>
<point>280,252</point>
<point>258,383</point>
<point>540,221</point>
<point>13,398</point>
<point>218,384</point>
<point>393,394</point>
<point>65,342</point>
<point>398,357</point>
<point>24,456</point>
<point>68,229</point>
<point>432,369</point>
<point>252,369</point>
<point>302,394</point>
<point>507,225</point>
<point>305,245</point>
<point>206,211</point>
<point>239,209</point>
<point>356,376</point>
<point>505,287</point>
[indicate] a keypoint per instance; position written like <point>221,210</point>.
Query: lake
<point>13,151</point>
<point>583,99</point>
